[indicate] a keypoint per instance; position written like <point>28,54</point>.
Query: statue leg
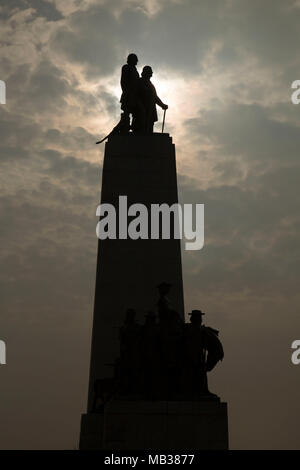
<point>138,119</point>
<point>149,129</point>
<point>125,123</point>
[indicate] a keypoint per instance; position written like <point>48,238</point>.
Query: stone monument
<point>148,370</point>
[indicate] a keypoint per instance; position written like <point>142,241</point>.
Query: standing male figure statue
<point>138,99</point>
<point>202,350</point>
<point>130,102</point>
<point>149,99</point>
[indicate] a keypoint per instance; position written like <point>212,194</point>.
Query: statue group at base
<point>162,359</point>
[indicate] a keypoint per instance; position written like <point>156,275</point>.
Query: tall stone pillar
<point>143,168</point>
<point>128,271</point>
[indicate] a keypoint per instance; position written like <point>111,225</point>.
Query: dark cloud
<point>267,31</point>
<point>77,171</point>
<point>17,130</point>
<point>244,230</point>
<point>247,130</point>
<point>71,139</point>
<point>44,8</point>
<point>46,89</point>
<point>90,40</point>
<point>182,33</point>
<point>185,34</point>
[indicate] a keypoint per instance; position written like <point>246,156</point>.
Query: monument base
<point>160,425</point>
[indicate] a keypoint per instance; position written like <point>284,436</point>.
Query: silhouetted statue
<point>104,390</point>
<point>164,360</point>
<point>163,304</point>
<point>150,355</point>
<point>202,350</point>
<point>138,99</point>
<point>130,360</point>
<point>122,127</point>
<point>130,99</point>
<point>129,83</point>
<point>149,99</point>
<point>166,314</point>
<point>130,103</point>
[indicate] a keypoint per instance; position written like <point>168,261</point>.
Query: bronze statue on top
<point>149,100</point>
<point>129,83</point>
<point>138,99</point>
<point>130,102</point>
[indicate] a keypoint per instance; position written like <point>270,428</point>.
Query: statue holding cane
<point>149,99</point>
<point>139,99</point>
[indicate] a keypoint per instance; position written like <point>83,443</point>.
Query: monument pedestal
<point>160,425</point>
<point>142,168</point>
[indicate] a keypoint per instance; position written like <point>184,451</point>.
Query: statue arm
<point>160,103</point>
<point>124,78</point>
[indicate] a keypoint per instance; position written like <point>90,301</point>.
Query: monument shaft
<point>143,168</point>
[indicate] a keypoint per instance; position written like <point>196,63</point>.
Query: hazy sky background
<point>225,68</point>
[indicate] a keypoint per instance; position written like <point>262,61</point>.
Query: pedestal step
<point>159,425</point>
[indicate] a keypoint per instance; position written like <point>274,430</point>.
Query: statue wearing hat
<point>167,359</point>
<point>138,99</point>
<point>202,350</point>
<point>149,99</point>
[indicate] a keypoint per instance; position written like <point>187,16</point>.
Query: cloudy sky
<point>225,68</point>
